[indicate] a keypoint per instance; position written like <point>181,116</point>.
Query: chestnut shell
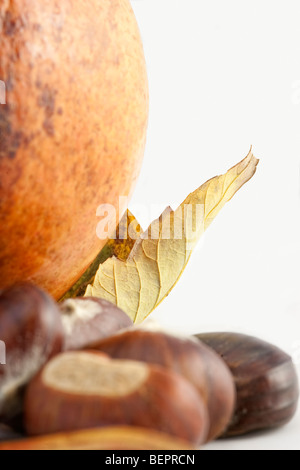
<point>161,399</point>
<point>200,365</point>
<point>265,377</point>
<point>86,329</point>
<point>31,328</point>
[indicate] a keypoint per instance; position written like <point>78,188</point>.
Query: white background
<point>223,76</point>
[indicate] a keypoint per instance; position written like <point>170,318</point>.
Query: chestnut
<point>31,329</point>
<point>8,434</point>
<point>108,438</point>
<point>89,319</point>
<point>83,389</point>
<point>197,363</point>
<point>265,377</point>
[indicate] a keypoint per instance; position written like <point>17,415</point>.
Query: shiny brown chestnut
<point>89,319</point>
<point>265,377</point>
<point>31,329</point>
<point>84,389</point>
<point>197,363</point>
<point>8,434</point>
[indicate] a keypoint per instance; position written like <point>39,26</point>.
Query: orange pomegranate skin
<point>72,132</point>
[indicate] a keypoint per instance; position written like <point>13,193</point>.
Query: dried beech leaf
<point>160,255</point>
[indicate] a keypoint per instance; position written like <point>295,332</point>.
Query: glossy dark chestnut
<point>265,377</point>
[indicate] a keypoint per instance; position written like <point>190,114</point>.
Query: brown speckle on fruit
<point>10,140</point>
<point>11,24</point>
<point>47,101</point>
